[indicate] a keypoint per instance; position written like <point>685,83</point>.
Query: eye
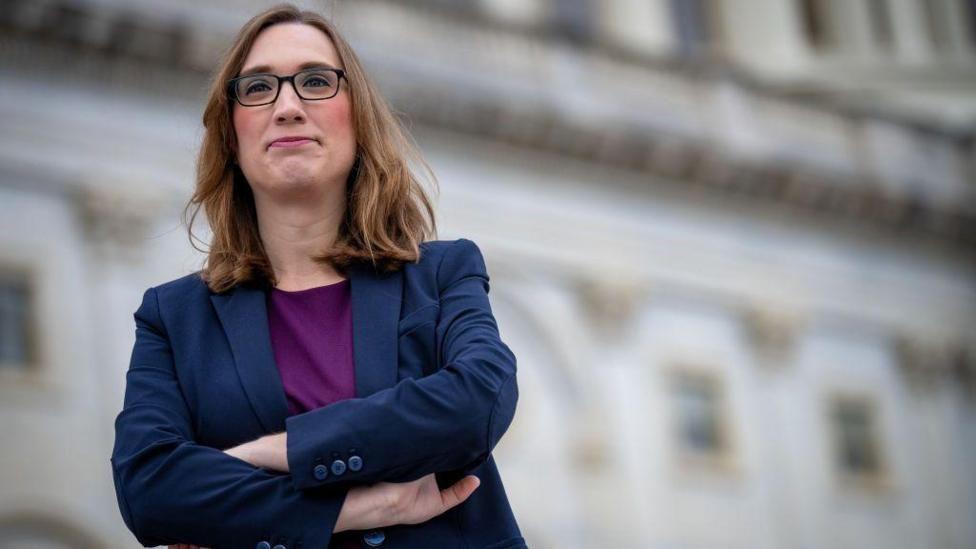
<point>257,85</point>
<point>317,81</point>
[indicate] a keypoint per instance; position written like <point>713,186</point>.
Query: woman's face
<point>303,170</point>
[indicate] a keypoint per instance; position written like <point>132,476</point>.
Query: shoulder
<point>159,302</point>
<point>180,292</point>
<point>435,250</point>
<point>443,262</point>
<point>189,284</point>
<point>445,256</point>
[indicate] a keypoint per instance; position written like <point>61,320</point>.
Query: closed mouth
<point>295,141</point>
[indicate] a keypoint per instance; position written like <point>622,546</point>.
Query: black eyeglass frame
<point>232,85</point>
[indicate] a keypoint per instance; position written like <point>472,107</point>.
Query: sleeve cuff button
<point>374,538</point>
<point>320,472</point>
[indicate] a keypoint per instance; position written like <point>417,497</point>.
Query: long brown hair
<point>388,211</point>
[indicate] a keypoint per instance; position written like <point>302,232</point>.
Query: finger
<point>459,491</point>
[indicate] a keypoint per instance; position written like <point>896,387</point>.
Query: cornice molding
<point>697,167</point>
<point>173,45</point>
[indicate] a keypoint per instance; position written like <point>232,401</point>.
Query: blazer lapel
<point>375,300</point>
<point>244,316</point>
<point>375,315</point>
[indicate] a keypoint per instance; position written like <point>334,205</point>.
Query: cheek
<point>245,128</point>
<point>337,120</point>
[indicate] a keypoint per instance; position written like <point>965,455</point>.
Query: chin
<point>295,172</point>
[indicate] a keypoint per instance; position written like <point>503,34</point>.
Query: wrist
<point>271,452</point>
<point>349,512</point>
<point>362,509</point>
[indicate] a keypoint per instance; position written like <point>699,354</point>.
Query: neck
<point>292,233</point>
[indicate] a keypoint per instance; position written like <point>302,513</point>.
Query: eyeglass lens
<point>263,88</point>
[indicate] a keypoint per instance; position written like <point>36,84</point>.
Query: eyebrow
<point>303,66</point>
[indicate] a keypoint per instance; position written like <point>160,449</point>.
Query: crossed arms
<point>171,489</point>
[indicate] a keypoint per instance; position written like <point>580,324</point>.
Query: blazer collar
<point>375,314</point>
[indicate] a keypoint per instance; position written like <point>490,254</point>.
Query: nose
<point>288,107</point>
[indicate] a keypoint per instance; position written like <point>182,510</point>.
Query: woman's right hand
<point>389,503</point>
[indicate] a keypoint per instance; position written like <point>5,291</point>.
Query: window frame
<point>19,271</point>
<point>879,479</point>
<point>724,460</point>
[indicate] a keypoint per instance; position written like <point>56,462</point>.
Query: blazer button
<point>262,545</point>
<point>374,538</point>
<point>320,471</point>
<point>338,467</point>
<point>355,463</point>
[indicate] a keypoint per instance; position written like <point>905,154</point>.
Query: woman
<point>328,379</point>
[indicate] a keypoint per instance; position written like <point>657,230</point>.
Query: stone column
<point>116,220</point>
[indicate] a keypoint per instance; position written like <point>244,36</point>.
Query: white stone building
<point>730,242</point>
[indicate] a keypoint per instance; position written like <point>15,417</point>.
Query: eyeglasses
<point>315,84</point>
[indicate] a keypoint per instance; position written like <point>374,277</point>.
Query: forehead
<point>286,46</point>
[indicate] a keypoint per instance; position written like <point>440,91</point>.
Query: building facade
<point>731,245</point>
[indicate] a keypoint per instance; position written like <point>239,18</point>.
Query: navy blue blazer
<point>435,391</point>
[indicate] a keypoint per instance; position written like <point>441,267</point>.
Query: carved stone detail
<point>117,222</point>
<point>610,304</point>
<point>772,332</point>
<point>926,361</point>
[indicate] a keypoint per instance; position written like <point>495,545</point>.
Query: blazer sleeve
<point>173,490</point>
<point>447,421</point>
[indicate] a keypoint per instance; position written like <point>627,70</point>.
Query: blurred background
<point>731,243</point>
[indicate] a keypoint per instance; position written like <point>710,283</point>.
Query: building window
<point>879,15</point>
<point>695,26</point>
<point>700,425</point>
<point>970,8</point>
<point>936,24</point>
<point>16,349</point>
<point>817,23</point>
<point>856,446</point>
<point>574,20</point>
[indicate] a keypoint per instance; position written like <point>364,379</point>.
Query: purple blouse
<point>311,335</point>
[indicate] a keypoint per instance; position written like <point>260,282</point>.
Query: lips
<point>292,141</point>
